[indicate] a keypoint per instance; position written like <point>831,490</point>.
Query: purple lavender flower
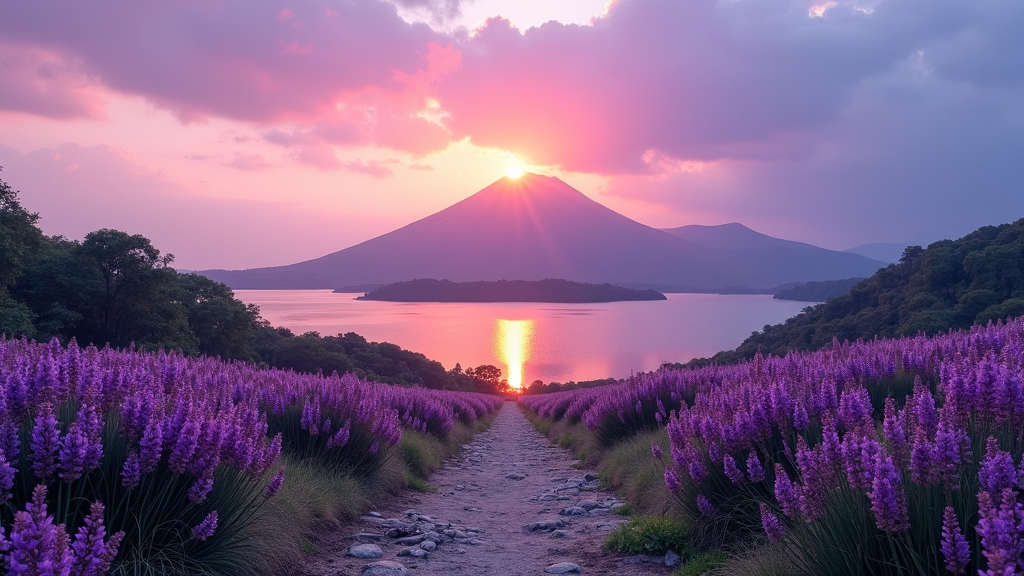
<point>754,469</point>
<point>205,529</point>
<point>34,538</point>
<point>1002,541</point>
<point>952,449</point>
<point>888,500</point>
<point>6,479</point>
<point>45,443</point>
<point>672,481</point>
<point>92,555</point>
<point>200,489</point>
<point>131,475</point>
<point>275,484</point>
<point>656,450</point>
<point>955,549</point>
<point>800,419</point>
<point>997,472</point>
<point>73,453</point>
<point>771,524</point>
<point>787,494</point>
<point>704,505</point>
<point>732,471</point>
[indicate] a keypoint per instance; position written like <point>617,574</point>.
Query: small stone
<point>475,541</point>
<point>574,511</point>
<point>413,552</point>
<point>459,551</point>
<point>411,540</point>
<point>375,514</point>
<point>563,568</point>
<point>516,476</point>
<point>548,497</point>
<point>410,513</point>
<point>672,559</point>
<point>559,534</point>
<point>590,477</point>
<point>365,551</point>
<point>588,505</point>
<point>459,487</point>
<point>374,519</point>
<point>429,545</point>
<point>385,568</point>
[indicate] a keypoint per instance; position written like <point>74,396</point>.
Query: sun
<point>514,171</point>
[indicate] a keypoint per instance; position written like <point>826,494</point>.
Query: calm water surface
<point>530,341</point>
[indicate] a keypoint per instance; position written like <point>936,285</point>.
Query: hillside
<point>537,227</point>
<point>547,290</point>
<point>951,284</point>
<point>817,291</point>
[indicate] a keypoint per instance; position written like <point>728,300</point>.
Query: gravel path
<point>509,504</point>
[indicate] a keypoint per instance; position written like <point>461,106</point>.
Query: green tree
<point>223,325</point>
<point>19,238</point>
<point>131,271</point>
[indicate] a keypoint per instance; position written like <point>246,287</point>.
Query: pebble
<point>516,476</point>
<point>429,545</point>
<point>672,559</point>
<point>413,552</point>
<point>411,540</point>
<point>385,568</point>
<point>365,551</point>
<point>563,568</point>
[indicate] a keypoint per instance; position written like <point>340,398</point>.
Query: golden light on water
<point>512,345</point>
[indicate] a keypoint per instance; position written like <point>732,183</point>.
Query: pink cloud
<point>375,168</point>
<point>42,81</point>
<point>249,162</point>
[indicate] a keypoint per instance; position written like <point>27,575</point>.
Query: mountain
<point>890,253</point>
<point>537,227</point>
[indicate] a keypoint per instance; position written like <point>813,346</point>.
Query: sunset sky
<point>242,133</point>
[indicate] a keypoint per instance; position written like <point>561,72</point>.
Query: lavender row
<point>890,456</point>
<point>185,448</point>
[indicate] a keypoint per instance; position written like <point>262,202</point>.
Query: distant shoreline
<point>547,291</point>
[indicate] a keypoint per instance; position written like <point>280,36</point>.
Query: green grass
<point>419,484</point>
<point>703,563</point>
<point>651,535</point>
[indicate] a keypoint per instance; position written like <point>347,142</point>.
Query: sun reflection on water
<point>512,345</point>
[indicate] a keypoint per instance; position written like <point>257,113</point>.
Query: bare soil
<point>508,478</point>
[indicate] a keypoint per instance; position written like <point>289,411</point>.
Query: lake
<point>532,341</point>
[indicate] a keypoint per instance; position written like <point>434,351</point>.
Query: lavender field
<point>136,463</point>
<point>882,457</point>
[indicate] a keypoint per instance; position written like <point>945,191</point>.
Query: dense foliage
<point>893,456</point>
<point>951,284</point>
<point>547,290</point>
<point>817,291</point>
<point>182,453</point>
<point>117,288</point>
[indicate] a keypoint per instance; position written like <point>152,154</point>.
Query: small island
<point>547,290</point>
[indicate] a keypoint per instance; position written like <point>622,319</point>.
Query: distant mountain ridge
<point>537,227</point>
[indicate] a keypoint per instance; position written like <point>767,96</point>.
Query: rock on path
<point>509,504</point>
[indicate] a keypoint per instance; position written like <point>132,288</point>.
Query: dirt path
<point>509,504</point>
